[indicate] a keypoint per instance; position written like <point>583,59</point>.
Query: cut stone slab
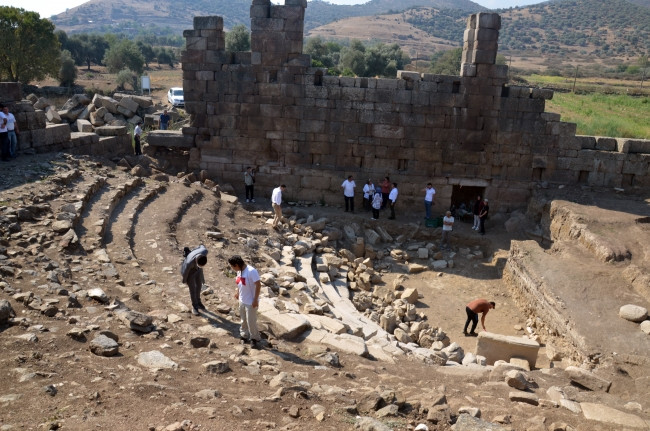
<point>633,313</point>
<point>503,347</point>
<point>345,343</point>
<point>474,373</point>
<point>587,379</point>
<point>605,414</point>
<point>283,325</point>
<point>327,323</point>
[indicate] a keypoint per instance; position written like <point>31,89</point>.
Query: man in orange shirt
<point>473,309</point>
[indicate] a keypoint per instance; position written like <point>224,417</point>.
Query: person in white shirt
<point>376,205</point>
<point>447,225</point>
<point>12,131</point>
<point>348,193</point>
<point>429,194</point>
<point>4,138</point>
<point>248,294</point>
<point>392,197</point>
<point>368,193</point>
<point>136,137</point>
<point>276,202</point>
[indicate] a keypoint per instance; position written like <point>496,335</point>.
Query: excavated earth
<point>362,320</point>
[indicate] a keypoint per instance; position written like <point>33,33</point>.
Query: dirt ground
<point>52,381</point>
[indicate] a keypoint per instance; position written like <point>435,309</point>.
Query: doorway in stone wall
<point>462,201</point>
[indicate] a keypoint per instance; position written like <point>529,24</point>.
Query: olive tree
<point>29,49</point>
<point>238,39</point>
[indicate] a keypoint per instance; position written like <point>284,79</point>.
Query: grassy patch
<point>615,115</point>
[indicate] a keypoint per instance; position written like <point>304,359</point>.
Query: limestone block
<point>588,379</point>
<point>111,130</point>
<point>42,103</point>
<point>129,104</point>
<point>524,397</point>
<point>208,23</point>
<point>84,126</point>
<point>410,295</point>
<point>408,76</point>
<point>59,133</point>
<point>283,325</point>
<point>121,110</point>
<point>52,115</point>
<point>503,347</point>
<point>609,415</point>
<point>328,324</point>
<point>105,102</point>
<point>346,343</point>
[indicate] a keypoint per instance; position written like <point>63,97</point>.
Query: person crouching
<point>192,271</point>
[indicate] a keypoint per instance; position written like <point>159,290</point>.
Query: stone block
<point>84,126</point>
<point>129,104</point>
<point>503,347</point>
<point>208,23</point>
<point>283,325</point>
<point>608,415</point>
<point>588,379</point>
<point>111,130</point>
<point>105,102</point>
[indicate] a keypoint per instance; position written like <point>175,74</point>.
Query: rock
<point>645,327</point>
<point>524,397</point>
<point>608,415</point>
<point>521,363</point>
<point>472,411</point>
<point>410,295</point>
<point>136,321</point>
<point>587,379</point>
<point>370,402</point>
<point>370,424</point>
<point>439,264</point>
<point>155,360</point>
<point>294,411</point>
<point>415,268</point>
<point>104,346</point>
<point>388,411</point>
<point>98,295</point>
<point>6,311</point>
<point>216,367</point>
<point>61,226</point>
<point>198,342</point>
<point>283,325</point>
<point>423,253</point>
<point>516,379</point>
<point>439,414</point>
<point>469,423</point>
<point>402,336</point>
<point>633,313</point>
<point>208,394</point>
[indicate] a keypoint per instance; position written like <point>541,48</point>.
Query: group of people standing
<point>374,197</point>
<point>8,134</point>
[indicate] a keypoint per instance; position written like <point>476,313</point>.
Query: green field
<point>615,115</point>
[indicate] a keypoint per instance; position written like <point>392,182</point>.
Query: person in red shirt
<point>385,191</point>
<point>473,309</point>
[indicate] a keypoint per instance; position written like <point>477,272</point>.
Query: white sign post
<point>146,83</point>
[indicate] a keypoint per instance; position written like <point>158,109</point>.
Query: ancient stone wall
<point>268,108</point>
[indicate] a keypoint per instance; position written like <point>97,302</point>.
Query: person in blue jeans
<point>164,120</point>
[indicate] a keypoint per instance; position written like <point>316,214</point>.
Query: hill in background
<point>550,33</point>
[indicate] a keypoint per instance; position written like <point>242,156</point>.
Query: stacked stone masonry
<point>268,108</point>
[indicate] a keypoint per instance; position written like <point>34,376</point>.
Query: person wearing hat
<point>136,137</point>
<point>483,216</point>
<point>447,225</point>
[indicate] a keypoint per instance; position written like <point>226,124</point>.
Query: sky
<point>47,8</point>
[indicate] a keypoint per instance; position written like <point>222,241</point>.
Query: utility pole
<point>575,78</point>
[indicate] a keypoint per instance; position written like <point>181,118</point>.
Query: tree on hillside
<point>29,49</point>
<point>643,63</point>
<point>85,48</point>
<point>238,39</point>
<point>124,54</point>
<point>147,52</point>
<point>446,62</point>
<point>68,70</point>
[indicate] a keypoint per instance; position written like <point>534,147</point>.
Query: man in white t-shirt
<point>276,202</point>
<point>4,138</point>
<point>12,131</point>
<point>429,194</point>
<point>368,194</point>
<point>348,193</point>
<point>392,198</point>
<point>248,294</point>
<point>447,225</point>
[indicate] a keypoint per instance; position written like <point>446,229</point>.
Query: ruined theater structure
<point>467,134</point>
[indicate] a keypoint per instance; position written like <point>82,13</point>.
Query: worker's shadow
<point>221,322</point>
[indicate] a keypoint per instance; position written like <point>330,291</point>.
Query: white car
<point>175,96</point>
